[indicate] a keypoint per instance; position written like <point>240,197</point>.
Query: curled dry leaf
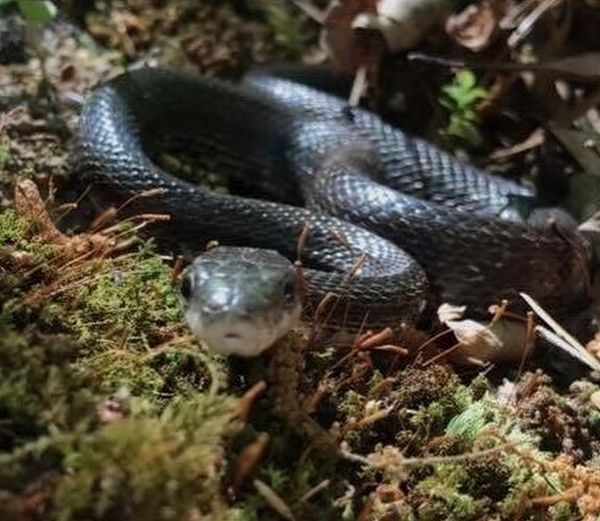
<point>404,23</point>
<point>30,205</point>
<point>354,29</point>
<point>477,25</point>
<point>339,38</point>
<point>97,243</point>
<point>500,341</point>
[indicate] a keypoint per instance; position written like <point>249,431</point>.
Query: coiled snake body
<point>390,221</point>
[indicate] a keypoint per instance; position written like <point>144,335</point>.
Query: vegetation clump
<point>109,410</point>
<point>99,420</point>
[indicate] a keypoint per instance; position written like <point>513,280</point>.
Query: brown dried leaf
<point>476,27</point>
<point>338,35</point>
<point>357,32</point>
<point>30,205</point>
<point>404,23</point>
<point>500,341</point>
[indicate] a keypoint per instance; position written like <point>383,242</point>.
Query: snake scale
<point>388,221</point>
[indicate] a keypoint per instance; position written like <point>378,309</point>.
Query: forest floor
<point>111,410</point>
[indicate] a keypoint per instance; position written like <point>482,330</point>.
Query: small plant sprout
<point>460,98</point>
<point>38,12</point>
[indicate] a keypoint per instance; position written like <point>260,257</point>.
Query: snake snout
<point>240,300</point>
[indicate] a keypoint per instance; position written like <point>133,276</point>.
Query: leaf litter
<point>110,410</point>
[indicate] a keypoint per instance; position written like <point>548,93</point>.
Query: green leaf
<point>464,90</point>
<point>465,130</point>
<point>471,96</point>
<point>448,103</point>
<point>5,2</point>
<point>466,79</point>
<point>469,115</point>
<point>37,11</point>
<point>453,91</point>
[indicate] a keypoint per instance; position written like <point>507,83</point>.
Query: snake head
<point>239,301</point>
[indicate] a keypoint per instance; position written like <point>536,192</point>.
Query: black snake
<point>388,221</point>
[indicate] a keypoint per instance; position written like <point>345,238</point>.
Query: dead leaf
<point>476,27</point>
<point>354,29</point>
<point>404,23</point>
<point>339,38</point>
<point>502,340</point>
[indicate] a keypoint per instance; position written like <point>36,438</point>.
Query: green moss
<point>436,395</point>
<point>353,405</point>
<point>421,387</point>
<point>486,477</point>
<point>129,298</point>
<point>563,511</point>
<point>25,262</point>
<point>445,505</point>
<point>445,496</point>
<point>149,466</point>
<point>480,386</point>
<point>118,310</point>
<point>526,482</point>
<point>593,416</point>
<point>166,459</point>
<point>39,387</point>
<point>13,229</point>
<point>133,301</point>
<point>293,483</point>
<point>123,369</point>
<point>42,394</point>
<point>5,154</point>
<point>468,425</point>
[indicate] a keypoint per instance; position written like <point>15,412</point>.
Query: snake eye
<point>187,285</point>
<point>289,290</point>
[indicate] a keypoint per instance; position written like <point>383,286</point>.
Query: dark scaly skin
<point>408,164</point>
<point>274,131</point>
<point>122,117</point>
